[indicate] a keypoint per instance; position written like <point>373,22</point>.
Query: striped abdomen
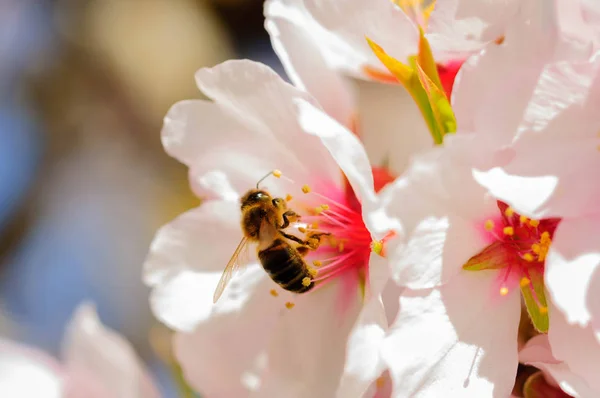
<point>285,266</point>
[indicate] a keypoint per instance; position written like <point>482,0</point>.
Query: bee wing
<point>238,261</point>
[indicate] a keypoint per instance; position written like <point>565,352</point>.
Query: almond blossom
<point>258,339</point>
<point>470,256</point>
<point>96,363</point>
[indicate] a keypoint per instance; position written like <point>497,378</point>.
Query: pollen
<point>524,282</point>
<point>288,197</point>
<point>534,223</point>
<point>314,225</point>
<point>523,219</point>
<point>306,281</point>
<point>536,248</point>
<point>528,257</point>
<point>306,189</point>
<point>276,173</point>
<point>325,207</point>
<point>313,272</point>
<point>508,231</point>
<point>274,293</point>
<point>302,229</point>
<point>503,291</point>
<point>289,305</point>
<point>489,225</point>
<point>317,263</point>
<point>509,212</point>
<point>341,247</point>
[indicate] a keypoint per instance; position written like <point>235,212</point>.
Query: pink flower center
<point>522,242</point>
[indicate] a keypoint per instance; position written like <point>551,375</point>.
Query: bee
<point>264,219</point>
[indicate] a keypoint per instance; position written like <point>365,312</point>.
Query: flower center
<point>518,246</point>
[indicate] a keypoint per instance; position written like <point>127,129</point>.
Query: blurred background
<point>84,182</point>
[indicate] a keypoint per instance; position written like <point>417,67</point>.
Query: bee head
<point>255,196</point>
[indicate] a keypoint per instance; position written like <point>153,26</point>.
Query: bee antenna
<point>262,179</point>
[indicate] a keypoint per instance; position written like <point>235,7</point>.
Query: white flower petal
<point>535,41</point>
<point>459,340</point>
<point>537,353</point>
<point>203,239</point>
<point>25,372</point>
<point>308,346</point>
<point>92,349</point>
<point>344,147</point>
<point>573,269</point>
<point>298,41</point>
<point>263,103</point>
<point>577,347</point>
<point>225,355</point>
<point>380,20</point>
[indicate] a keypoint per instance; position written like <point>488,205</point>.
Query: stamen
<point>503,291</point>
<point>325,207</point>
<point>535,248</point>
<point>317,263</point>
<point>274,293</point>
<point>534,223</point>
<point>489,225</point>
<point>509,212</point>
<point>523,219</point>
<point>528,257</point>
<point>380,382</point>
<point>288,197</point>
<point>302,229</point>
<point>289,305</point>
<point>313,272</point>
<point>341,246</point>
<point>276,173</point>
<point>509,231</point>
<point>305,188</point>
<point>524,281</point>
<point>306,281</point>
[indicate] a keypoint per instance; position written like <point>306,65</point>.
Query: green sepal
<point>535,300</point>
<point>492,257</point>
<point>422,81</point>
<point>536,386</point>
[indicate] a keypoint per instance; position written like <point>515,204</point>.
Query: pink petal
<point>105,356</point>
<point>578,348</point>
<point>573,269</point>
<point>459,340</point>
<point>298,41</point>
<point>307,351</point>
<point>26,372</point>
<point>225,355</point>
<point>537,353</point>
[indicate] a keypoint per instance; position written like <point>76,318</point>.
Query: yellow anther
<point>524,281</point>
<point>289,305</point>
<point>534,223</point>
<point>276,173</point>
<point>306,189</point>
<point>508,231</point>
<point>377,247</point>
<point>545,238</point>
<point>325,207</point>
<point>543,309</point>
<point>341,246</point>
<point>509,212</point>
<point>503,291</point>
<point>306,281</point>
<point>523,219</point>
<point>302,229</point>
<point>288,197</point>
<point>317,263</point>
<point>274,293</point>
<point>489,225</point>
<point>333,241</point>
<point>528,257</point>
<point>313,272</point>
<point>314,225</point>
<point>535,248</point>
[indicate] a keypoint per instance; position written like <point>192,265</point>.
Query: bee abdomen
<point>285,266</point>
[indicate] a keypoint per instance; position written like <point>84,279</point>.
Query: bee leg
<point>294,238</point>
<point>288,216</point>
<point>303,250</point>
<point>313,239</point>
